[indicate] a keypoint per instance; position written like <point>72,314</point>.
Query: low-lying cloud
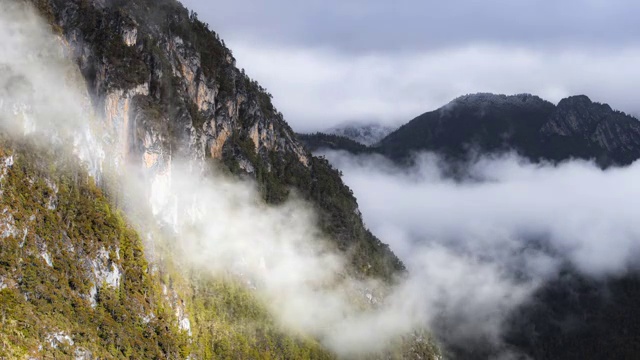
<point>506,208</point>
<point>462,241</point>
<point>224,227</point>
<point>480,247</point>
<point>221,224</point>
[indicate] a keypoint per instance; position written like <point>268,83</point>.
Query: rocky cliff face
<point>167,88</point>
<point>153,88</point>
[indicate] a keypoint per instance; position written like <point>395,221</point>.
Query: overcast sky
<point>333,61</point>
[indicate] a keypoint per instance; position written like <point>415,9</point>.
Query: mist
<point>475,248</point>
<point>508,221</point>
<point>576,210</point>
<point>221,224</point>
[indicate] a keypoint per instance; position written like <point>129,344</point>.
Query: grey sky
<point>383,25</point>
<point>331,61</point>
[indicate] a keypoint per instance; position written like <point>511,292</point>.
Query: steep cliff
<point>168,88</point>
<point>154,88</point>
<point>75,281</point>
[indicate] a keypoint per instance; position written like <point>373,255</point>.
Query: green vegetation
<point>170,110</point>
<point>135,320</point>
<point>42,299</point>
<point>230,322</point>
<point>227,320</point>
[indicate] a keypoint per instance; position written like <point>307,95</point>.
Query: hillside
<point>314,142</point>
<point>366,133</point>
<point>157,90</point>
<point>69,260</point>
<point>75,281</point>
<point>169,88</point>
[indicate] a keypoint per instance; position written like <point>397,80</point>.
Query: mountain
<point>576,128</point>
<point>361,132</point>
<point>159,87</point>
<point>60,272</point>
<point>577,317</point>
<point>168,88</point>
<point>534,128</point>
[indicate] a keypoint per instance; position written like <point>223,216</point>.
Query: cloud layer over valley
<point>476,249</point>
<point>479,247</point>
<point>572,211</point>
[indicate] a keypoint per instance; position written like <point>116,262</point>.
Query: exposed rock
<point>55,339</point>
<point>118,120</point>
<point>82,354</point>
<point>218,142</point>
<point>130,36</point>
<point>578,116</point>
<point>7,225</point>
<point>105,270</point>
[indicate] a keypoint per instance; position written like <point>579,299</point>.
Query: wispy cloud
<point>572,211</point>
<point>317,88</point>
<point>479,248</point>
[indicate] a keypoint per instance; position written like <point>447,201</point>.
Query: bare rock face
<point>158,100</point>
<point>162,88</point>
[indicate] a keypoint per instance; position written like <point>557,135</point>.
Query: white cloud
<point>356,26</point>
<point>461,282</point>
<point>573,211</point>
<point>317,88</point>
<point>478,249</point>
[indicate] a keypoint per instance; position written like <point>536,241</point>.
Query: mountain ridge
<point>534,128</point>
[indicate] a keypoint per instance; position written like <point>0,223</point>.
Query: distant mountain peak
<point>366,133</point>
<point>576,127</point>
